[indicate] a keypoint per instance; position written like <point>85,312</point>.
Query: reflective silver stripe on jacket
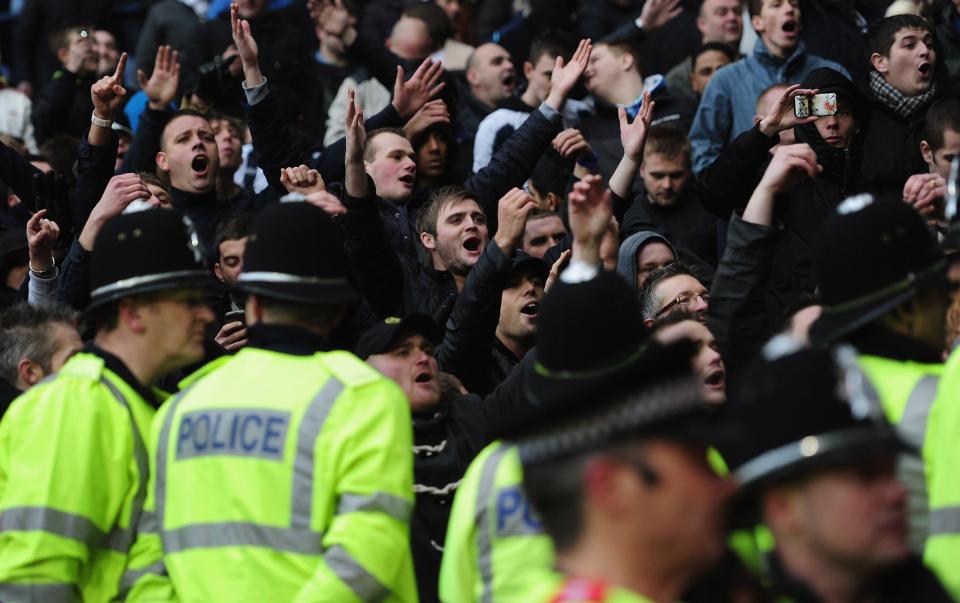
<point>121,539</point>
<point>39,593</point>
<point>78,527</point>
<point>236,533</point>
<point>61,523</point>
<point>363,584</point>
<point>130,577</point>
<point>485,527</point>
<point>910,468</point>
<point>945,520</point>
<point>301,495</point>
<point>378,502</point>
<point>160,479</point>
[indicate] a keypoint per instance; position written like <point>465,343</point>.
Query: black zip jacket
<point>446,439</point>
<point>470,347</point>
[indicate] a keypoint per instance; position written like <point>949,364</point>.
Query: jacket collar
<point>287,339</point>
<point>118,367</point>
<point>765,57</point>
<point>193,202</point>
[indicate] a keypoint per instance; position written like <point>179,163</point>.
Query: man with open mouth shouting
<point>900,87</point>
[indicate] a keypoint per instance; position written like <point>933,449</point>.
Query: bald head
<point>410,39</point>
<point>490,73</point>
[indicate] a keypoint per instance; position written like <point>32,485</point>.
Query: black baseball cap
<point>384,335</point>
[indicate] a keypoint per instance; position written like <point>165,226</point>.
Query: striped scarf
<point>903,105</point>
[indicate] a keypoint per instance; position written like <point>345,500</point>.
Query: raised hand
<point>162,86</point>
<point>356,135</point>
<point>409,96</point>
<point>634,135</point>
<point>570,143</point>
<point>512,211</point>
<point>556,269</point>
<point>657,13</point>
<point>246,47</point>
<point>791,164</point>
<point>107,94</point>
<point>432,113</point>
<point>232,336</point>
<point>302,179</point>
<point>42,235</point>
<point>565,77</point>
<point>781,116</point>
<point>590,210</point>
<point>120,192</point>
<point>355,180</point>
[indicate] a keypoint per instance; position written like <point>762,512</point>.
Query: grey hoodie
<point>627,259</point>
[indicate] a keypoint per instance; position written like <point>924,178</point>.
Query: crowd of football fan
<point>480,301</point>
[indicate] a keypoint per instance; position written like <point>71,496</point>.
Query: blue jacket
<point>729,102</point>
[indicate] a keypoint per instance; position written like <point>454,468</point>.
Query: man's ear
<point>217,271</point>
<point>757,23</point>
<point>626,62</point>
<point>926,151</point>
<point>701,25</point>
<point>428,242</point>
<point>880,63</point>
<point>161,160</point>
<point>778,508</point>
<point>527,70</point>
<point>29,372</point>
<point>62,55</point>
<point>471,76</point>
<point>254,310</point>
<point>553,201</point>
<point>649,322</point>
<point>130,315</point>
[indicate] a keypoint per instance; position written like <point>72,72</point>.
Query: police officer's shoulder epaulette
<point>84,365</point>
<point>203,371</point>
<point>350,370</point>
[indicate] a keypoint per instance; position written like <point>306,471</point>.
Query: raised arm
<point>512,165</point>
<point>632,136</point>
<point>471,330</point>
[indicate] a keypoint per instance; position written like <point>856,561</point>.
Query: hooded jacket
<point>803,208</point>
<point>631,246</point>
<point>728,184</point>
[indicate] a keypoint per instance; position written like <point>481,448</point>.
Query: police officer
<point>621,485</point>
<point>942,551</point>
<point>882,281</point>
<point>282,473</point>
<point>497,547</point>
<point>73,465</point>
<point>818,469</point>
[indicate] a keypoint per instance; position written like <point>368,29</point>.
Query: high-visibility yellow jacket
<point>908,394</point>
<point>942,454</point>
<point>73,474</point>
<point>495,551</point>
<point>279,477</point>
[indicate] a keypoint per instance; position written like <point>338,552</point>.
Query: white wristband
<point>103,123</point>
